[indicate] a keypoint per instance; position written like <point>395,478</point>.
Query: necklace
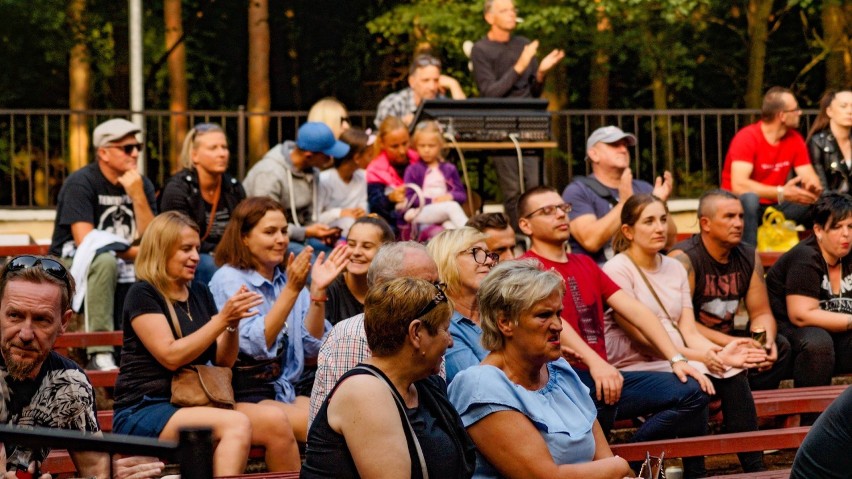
<point>186,309</point>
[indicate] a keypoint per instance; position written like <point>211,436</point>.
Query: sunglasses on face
<point>128,149</point>
<point>440,297</point>
<point>481,256</point>
<point>49,266</point>
<point>550,210</point>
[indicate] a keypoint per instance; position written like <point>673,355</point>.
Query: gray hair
<point>486,7</point>
<point>510,289</point>
<point>389,262</point>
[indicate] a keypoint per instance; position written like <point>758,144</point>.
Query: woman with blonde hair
<point>390,417</point>
<point>154,348</point>
<point>203,190</point>
<point>332,112</point>
<point>463,260</point>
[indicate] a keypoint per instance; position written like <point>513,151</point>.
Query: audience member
<point>287,328</point>
<point>394,402</point>
<point>343,188</point>
<point>825,451</point>
<point>505,65</point>
<point>288,174</point>
<point>385,187</point>
<point>661,284</point>
<point>332,112</point>
<point>463,262</point>
<point>810,296</point>
<point>38,387</point>
<point>347,292</point>
<point>346,344</point>
<point>425,82</point>
<point>525,408</point>
<point>723,271</point>
<point>596,200</point>
<point>443,192</point>
<point>761,158</point>
<point>204,190</point>
<point>499,235</point>
<point>830,140</point>
<point>171,322</point>
<point>102,210</point>
<point>676,404</point>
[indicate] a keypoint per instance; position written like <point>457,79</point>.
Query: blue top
<point>228,281</point>
<point>562,411</point>
<point>467,348</point>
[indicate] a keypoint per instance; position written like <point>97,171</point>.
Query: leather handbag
<point>198,384</point>
<point>653,467</point>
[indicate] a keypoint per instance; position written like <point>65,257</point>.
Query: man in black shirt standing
<point>505,66</point>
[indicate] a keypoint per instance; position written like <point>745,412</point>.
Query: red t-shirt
<point>586,289</point>
<point>772,163</point>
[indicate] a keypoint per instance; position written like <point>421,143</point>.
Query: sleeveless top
<point>718,287</point>
<point>448,451</point>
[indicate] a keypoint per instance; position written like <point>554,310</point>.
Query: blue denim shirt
<point>228,281</point>
<point>467,348</point>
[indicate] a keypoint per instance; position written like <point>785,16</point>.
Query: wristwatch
<point>677,358</point>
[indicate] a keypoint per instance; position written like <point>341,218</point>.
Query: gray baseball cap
<point>609,134</point>
<point>112,130</point>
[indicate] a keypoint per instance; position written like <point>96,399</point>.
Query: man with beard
<point>723,271</point>
<point>40,388</point>
<point>760,160</point>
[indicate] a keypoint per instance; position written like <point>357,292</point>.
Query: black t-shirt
<point>718,287</point>
<point>59,397</point>
<point>87,196</point>
<point>341,303</point>
<point>825,450</point>
<point>802,271</point>
<point>140,373</point>
<point>494,69</point>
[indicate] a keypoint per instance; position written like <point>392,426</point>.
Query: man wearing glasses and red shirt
<point>102,210</point>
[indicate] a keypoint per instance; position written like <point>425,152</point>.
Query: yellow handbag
<point>777,234</point>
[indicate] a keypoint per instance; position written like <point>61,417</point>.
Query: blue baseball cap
<point>317,137</point>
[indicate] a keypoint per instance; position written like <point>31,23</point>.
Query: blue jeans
<point>753,215</point>
<point>671,408</point>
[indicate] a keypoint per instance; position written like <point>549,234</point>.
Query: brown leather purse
<point>199,384</point>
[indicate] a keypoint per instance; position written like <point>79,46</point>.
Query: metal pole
<point>137,88</point>
<point>195,453</point>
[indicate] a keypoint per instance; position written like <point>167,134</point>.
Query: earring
<point>819,238</point>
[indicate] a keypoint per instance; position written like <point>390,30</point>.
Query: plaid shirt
<point>396,104</point>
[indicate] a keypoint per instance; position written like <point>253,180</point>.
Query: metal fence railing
<point>34,144</point>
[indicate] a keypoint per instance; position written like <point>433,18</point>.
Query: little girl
<point>385,188</point>
<point>443,191</point>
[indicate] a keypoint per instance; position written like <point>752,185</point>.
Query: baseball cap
<point>609,134</point>
<point>112,130</point>
<point>317,137</point>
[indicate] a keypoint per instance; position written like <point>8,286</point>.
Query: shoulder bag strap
<point>654,293</point>
<point>598,188</point>
<point>213,210</point>
<point>174,316</point>
<point>423,470</point>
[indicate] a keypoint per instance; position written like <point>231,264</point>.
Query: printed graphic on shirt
<point>591,330</point>
<point>117,218</point>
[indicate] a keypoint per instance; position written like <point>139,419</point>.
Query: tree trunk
<point>838,63</point>
<point>259,99</point>
<point>758,33</point>
<point>178,96</point>
<point>79,79</point>
<point>599,72</point>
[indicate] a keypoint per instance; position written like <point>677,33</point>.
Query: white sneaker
<point>102,362</point>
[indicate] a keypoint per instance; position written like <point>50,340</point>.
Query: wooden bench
<point>17,250</point>
<point>786,438</point>
<point>779,474</point>
<point>81,339</point>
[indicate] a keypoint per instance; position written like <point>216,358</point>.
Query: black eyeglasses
<point>798,108</point>
<point>128,149</point>
<point>440,297</point>
<point>481,256</point>
<point>49,266</point>
<point>550,210</point>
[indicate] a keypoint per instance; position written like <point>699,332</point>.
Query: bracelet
<point>780,190</point>
<point>319,300</point>
<point>231,329</point>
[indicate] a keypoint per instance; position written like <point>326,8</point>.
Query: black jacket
<point>828,160</point>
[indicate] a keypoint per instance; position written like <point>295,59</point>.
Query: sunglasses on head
<point>49,266</point>
<point>440,297</point>
<point>128,149</point>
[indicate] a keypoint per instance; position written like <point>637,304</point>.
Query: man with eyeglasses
<point>597,199</point>
<point>676,404</point>
<point>760,160</point>
<point>499,234</point>
<point>425,82</point>
<point>102,210</point>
